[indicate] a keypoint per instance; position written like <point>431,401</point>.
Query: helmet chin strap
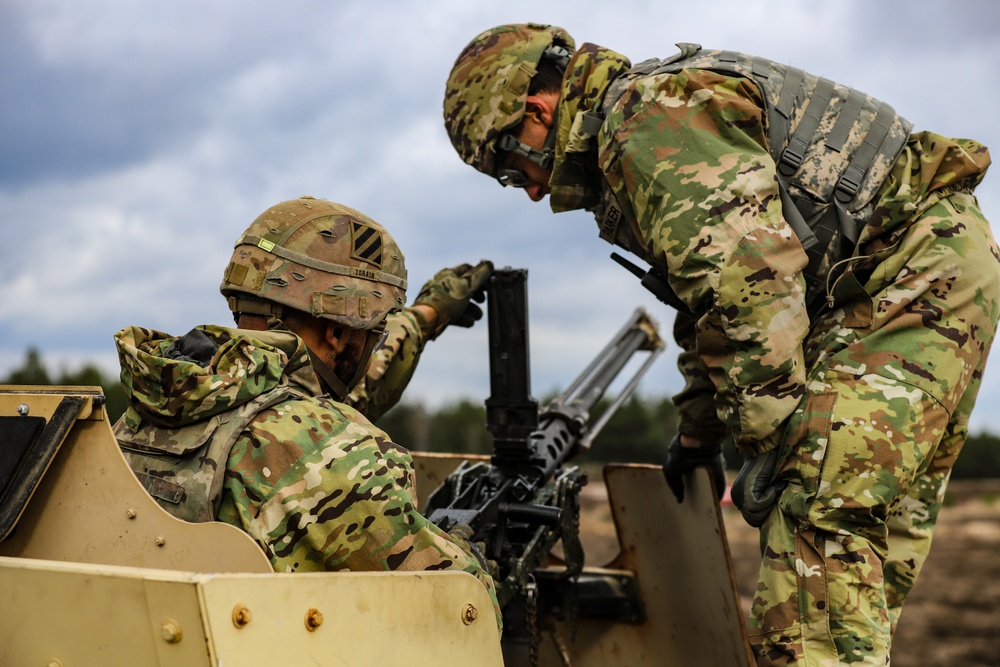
<point>332,383</point>
<point>543,158</point>
<point>336,387</point>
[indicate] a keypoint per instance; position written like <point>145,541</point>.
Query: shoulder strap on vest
<point>833,147</point>
<point>184,468</point>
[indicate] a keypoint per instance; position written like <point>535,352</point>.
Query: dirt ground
<point>952,618</point>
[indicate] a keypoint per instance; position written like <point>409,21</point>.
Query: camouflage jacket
<point>391,368</point>
<point>686,156</point>
<point>310,479</point>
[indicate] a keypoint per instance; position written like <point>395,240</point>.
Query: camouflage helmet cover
<point>320,257</point>
<point>488,85</point>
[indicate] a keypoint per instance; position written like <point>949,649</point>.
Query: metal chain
<point>578,485</point>
<point>532,604</point>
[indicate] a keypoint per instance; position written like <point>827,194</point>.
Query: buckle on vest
<point>791,158</point>
<point>848,185</point>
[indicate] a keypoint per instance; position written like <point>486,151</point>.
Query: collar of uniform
<point>298,368</point>
<point>588,75</point>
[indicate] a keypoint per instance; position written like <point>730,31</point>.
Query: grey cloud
<point>143,137</point>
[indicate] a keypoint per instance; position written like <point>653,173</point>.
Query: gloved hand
<point>682,460</point>
<point>451,293</point>
<point>754,491</point>
<point>462,534</point>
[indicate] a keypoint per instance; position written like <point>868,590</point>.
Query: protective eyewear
<point>381,335</point>
<point>511,176</point>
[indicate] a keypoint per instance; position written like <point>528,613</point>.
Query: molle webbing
<point>184,468</point>
<point>833,147</point>
<point>831,141</point>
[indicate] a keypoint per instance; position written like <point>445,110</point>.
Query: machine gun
<point>526,499</point>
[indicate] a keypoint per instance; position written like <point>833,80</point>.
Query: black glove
<point>682,460</point>
<point>754,491</point>
<point>451,293</point>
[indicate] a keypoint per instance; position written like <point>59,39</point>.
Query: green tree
<point>34,372</point>
<point>455,428</point>
<point>31,372</point>
<point>980,458</point>
<point>461,428</point>
<point>638,432</point>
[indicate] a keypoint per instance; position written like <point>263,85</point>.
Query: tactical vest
<point>833,147</point>
<point>183,468</point>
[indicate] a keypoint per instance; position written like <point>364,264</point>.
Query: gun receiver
<point>526,499</point>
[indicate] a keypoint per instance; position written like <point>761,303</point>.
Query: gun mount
<point>95,573</point>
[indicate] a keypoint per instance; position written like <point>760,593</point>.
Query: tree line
<point>637,433</point>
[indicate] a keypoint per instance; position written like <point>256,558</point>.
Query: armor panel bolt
<point>469,614</point>
<point>241,615</point>
<point>171,632</point>
<point>314,619</point>
<point>23,409</point>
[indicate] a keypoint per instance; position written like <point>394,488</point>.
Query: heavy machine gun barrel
<point>527,499</point>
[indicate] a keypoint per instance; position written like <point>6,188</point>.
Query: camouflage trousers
<point>868,453</point>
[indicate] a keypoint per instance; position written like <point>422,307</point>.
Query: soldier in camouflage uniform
<point>836,283</point>
<point>247,425</point>
<point>448,299</point>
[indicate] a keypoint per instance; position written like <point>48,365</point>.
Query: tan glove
<point>453,294</point>
<point>462,534</point>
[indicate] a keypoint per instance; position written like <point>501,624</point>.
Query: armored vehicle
<point>95,573</point>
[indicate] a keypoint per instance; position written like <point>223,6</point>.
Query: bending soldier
<point>247,425</point>
<point>836,286</point>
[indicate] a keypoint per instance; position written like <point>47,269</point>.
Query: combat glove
<point>682,460</point>
<point>754,492</point>
<point>463,535</point>
<point>453,294</point>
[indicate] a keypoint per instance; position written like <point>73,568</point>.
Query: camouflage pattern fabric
<point>868,453</point>
<point>311,480</point>
<point>487,88</point>
<point>869,401</point>
<point>451,292</point>
<point>686,156</point>
<point>320,257</point>
<point>392,366</point>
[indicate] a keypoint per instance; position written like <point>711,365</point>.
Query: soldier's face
<point>536,184</point>
<point>538,118</point>
<point>350,355</point>
<point>535,179</point>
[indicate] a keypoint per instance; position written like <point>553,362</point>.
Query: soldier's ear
<point>541,108</point>
<point>334,335</point>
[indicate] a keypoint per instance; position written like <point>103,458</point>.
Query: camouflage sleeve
<point>392,367</point>
<point>686,152</point>
<point>696,402</point>
<point>322,489</point>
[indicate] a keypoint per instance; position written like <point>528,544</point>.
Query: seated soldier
<point>249,425</point>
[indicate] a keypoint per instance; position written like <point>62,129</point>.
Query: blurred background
<point>139,139</point>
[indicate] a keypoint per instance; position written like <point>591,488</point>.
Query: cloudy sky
<point>140,138</point>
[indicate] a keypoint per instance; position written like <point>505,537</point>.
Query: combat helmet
<point>320,257</point>
<point>488,85</point>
